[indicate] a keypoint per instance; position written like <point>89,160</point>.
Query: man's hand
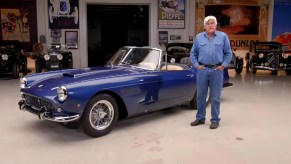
<point>221,68</point>
<point>200,67</point>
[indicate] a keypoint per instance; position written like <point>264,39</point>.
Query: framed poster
<point>171,14</point>
<point>281,31</point>
<point>71,39</point>
<point>63,14</point>
<point>56,34</point>
<point>236,19</point>
<point>244,22</point>
<point>163,38</point>
<point>18,22</point>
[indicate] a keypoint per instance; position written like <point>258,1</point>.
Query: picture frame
<point>171,14</point>
<point>56,33</point>
<point>71,39</point>
<point>163,38</point>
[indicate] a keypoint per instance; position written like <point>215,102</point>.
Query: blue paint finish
<point>140,89</point>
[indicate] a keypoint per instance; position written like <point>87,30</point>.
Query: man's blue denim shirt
<point>214,51</point>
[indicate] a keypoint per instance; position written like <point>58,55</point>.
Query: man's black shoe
<point>214,125</point>
<point>197,122</point>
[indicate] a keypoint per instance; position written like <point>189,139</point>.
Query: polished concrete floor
<point>255,128</point>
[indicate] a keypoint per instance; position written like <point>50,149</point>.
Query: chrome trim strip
<point>269,68</point>
<point>62,118</point>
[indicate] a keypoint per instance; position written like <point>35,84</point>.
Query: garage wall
<point>80,57</point>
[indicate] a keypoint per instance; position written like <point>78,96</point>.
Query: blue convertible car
<point>136,80</point>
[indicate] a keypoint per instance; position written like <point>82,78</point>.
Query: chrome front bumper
<point>45,115</point>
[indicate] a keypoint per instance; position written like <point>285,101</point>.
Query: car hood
<point>97,73</point>
<point>50,80</point>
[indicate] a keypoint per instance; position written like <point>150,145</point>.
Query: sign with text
<point>171,14</point>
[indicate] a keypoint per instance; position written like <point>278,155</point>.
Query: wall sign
<point>171,14</point>
<point>63,14</point>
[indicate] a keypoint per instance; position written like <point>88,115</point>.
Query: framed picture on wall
<point>63,14</point>
<point>171,14</point>
<point>71,39</point>
<point>163,38</point>
<point>56,33</point>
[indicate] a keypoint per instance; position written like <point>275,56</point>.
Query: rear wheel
<point>253,70</point>
<point>247,67</point>
<point>70,65</point>
<point>38,66</point>
<point>193,102</point>
<point>238,70</point>
<point>15,71</point>
<point>100,115</point>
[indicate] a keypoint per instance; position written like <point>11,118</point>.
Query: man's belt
<point>210,65</point>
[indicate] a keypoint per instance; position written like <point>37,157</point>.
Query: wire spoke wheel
<point>100,115</point>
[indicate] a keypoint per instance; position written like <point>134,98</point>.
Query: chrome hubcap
<point>101,115</point>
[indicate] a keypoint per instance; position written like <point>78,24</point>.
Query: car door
<point>161,89</point>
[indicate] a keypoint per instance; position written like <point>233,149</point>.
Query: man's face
<point>210,26</point>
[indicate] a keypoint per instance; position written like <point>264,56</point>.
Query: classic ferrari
<point>136,80</point>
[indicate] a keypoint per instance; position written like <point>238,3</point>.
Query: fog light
<point>59,110</point>
<point>261,55</point>
<point>285,55</point>
<point>266,64</point>
<point>4,57</point>
<point>281,64</point>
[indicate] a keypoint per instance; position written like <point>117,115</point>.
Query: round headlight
<point>23,82</point>
<point>285,55</point>
<point>172,60</point>
<point>261,55</point>
<point>4,57</point>
<point>62,93</point>
<point>60,56</point>
<point>46,57</point>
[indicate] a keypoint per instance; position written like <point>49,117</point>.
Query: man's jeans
<point>212,79</point>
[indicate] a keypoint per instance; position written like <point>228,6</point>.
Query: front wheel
<point>238,70</point>
<point>253,70</point>
<point>38,66</point>
<point>15,71</point>
<point>100,115</point>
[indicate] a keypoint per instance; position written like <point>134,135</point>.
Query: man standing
<point>210,54</point>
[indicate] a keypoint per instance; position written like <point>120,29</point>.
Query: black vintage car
<point>10,58</point>
<point>58,57</point>
<point>176,51</point>
<point>236,63</point>
<point>268,56</point>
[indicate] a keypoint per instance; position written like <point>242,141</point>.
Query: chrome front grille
<point>54,61</point>
<point>38,102</point>
<point>273,60</point>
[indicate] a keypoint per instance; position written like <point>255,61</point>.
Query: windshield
<point>145,58</point>
<point>57,48</point>
<point>274,47</point>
